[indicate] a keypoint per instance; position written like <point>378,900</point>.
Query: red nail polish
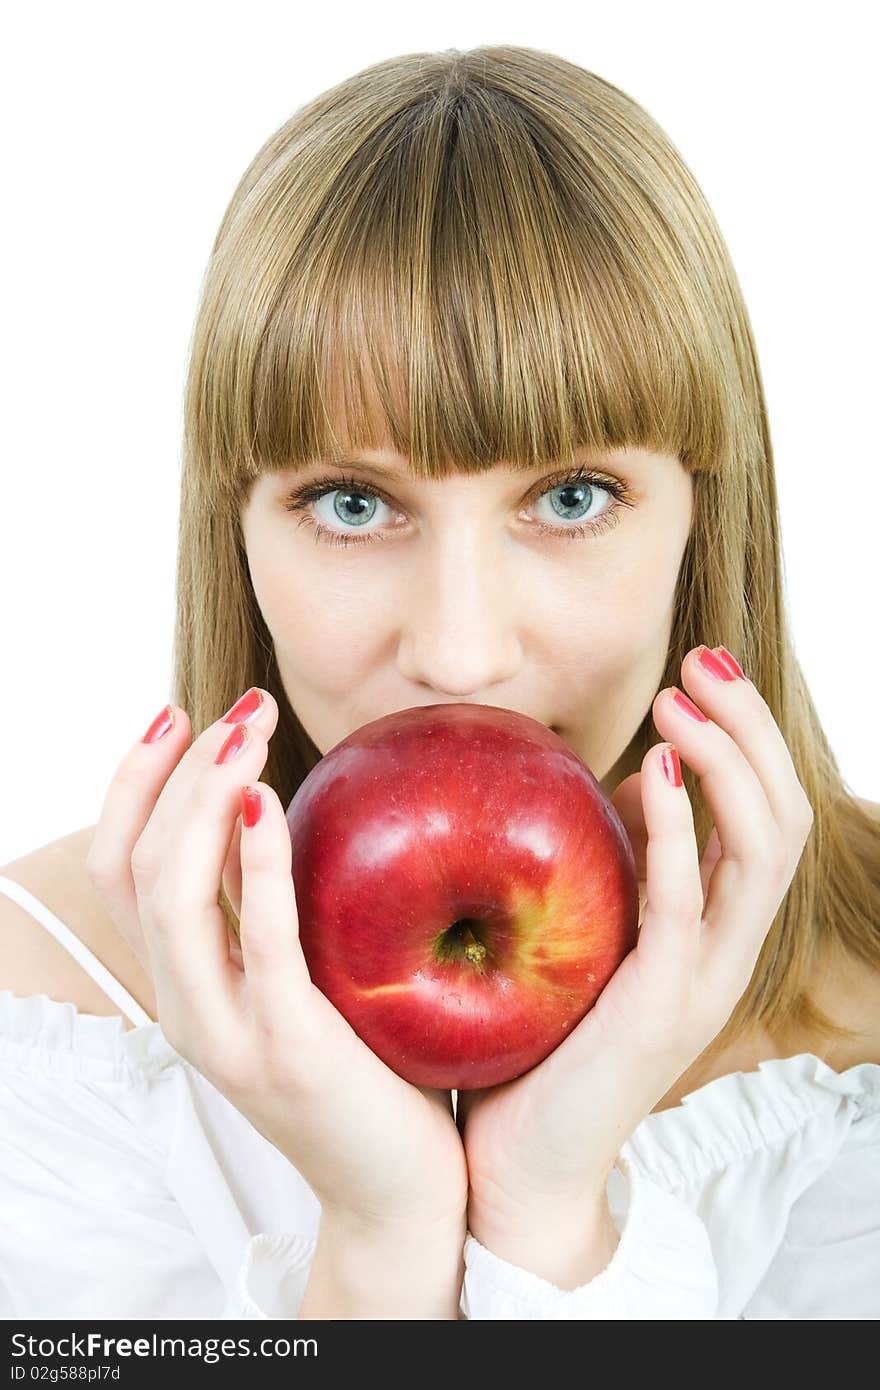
<point>669,761</point>
<point>730,661</point>
<point>249,703</point>
<point>251,806</point>
<point>688,707</point>
<point>233,745</point>
<point>160,725</point>
<point>715,666</point>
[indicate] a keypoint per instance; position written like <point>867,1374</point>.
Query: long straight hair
<point>497,255</point>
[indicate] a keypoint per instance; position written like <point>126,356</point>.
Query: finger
<point>232,870</point>
<point>235,956</point>
<point>128,804</point>
<point>278,983</point>
<point>232,889</point>
<point>735,705</point>
<point>744,884</point>
<point>670,936</point>
<point>735,796</point>
<point>178,863</point>
<point>627,801</point>
<point>711,856</point>
<point>256,712</point>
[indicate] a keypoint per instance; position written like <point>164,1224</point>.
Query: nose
<point>462,612</point>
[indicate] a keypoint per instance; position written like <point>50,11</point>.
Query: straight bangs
<point>466,273</point>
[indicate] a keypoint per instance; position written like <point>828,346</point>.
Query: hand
<point>548,1139</point>
<point>377,1151</point>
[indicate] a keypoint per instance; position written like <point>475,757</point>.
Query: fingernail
<point>251,805</point>
<point>248,705</point>
<point>233,745</point>
<point>669,761</point>
<point>160,725</point>
<point>724,655</point>
<point>711,663</point>
<point>688,707</point>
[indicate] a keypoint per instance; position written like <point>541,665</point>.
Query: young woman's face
<point>448,592</point>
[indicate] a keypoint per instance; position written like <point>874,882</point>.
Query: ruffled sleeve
<point>782,1166</point>
<point>273,1277</point>
<point>88,1225</point>
<point>827,1264</point>
<point>662,1268</point>
<point>129,1186</point>
<point>758,1197</point>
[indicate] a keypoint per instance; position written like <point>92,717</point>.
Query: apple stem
<point>458,942</point>
<point>474,950</point>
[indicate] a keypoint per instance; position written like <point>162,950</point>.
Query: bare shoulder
<point>33,962</point>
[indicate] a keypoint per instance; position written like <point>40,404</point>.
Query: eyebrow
<point>379,470</point>
<point>399,476</point>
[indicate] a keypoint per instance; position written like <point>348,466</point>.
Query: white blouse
<point>131,1188</point>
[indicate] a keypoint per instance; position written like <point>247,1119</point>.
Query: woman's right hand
<point>377,1151</point>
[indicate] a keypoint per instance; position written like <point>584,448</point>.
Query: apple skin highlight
<point>465,890</point>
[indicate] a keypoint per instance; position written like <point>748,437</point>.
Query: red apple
<point>464,887</point>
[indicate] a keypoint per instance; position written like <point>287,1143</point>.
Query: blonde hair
<point>497,255</point>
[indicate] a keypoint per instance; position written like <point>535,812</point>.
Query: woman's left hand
<point>546,1141</point>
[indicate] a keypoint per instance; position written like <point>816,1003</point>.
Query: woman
<point>473,413</point>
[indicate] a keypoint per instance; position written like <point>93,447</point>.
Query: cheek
<point>613,668</point>
<point>282,600</point>
<point>324,640</point>
<point>641,644</point>
<point>619,613</point>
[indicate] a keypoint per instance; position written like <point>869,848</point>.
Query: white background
<point>125,131</point>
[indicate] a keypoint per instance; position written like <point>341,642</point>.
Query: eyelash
<point>300,498</point>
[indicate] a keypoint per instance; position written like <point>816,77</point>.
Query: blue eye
<point>579,498</point>
<point>355,505</point>
<point>363,504</point>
